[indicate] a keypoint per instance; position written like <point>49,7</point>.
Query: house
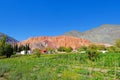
<point>103,51</point>
<point>24,52</point>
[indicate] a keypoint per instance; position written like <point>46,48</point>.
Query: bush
<point>69,49</point>
<point>64,49</point>
<point>113,49</point>
<point>101,47</point>
<point>61,49</point>
<point>92,54</point>
<point>37,52</point>
<point>82,48</point>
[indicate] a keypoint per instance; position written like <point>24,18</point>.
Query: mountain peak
<point>109,25</point>
<point>8,38</point>
<point>104,34</point>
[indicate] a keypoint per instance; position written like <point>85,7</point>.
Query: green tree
<point>37,52</point>
<point>92,46</point>
<point>92,52</point>
<point>69,49</point>
<point>62,49</point>
<point>113,49</point>
<point>117,43</point>
<point>26,48</point>
<point>5,48</point>
<point>101,47</point>
<point>15,48</point>
<point>8,50</point>
<point>2,45</point>
<point>82,48</point>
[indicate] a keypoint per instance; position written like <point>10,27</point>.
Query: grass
<point>71,66</point>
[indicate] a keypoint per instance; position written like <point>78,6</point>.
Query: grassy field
<point>72,66</point>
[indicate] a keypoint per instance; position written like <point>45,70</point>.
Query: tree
<point>82,48</point>
<point>117,43</point>
<point>15,48</point>
<point>37,52</point>
<point>26,48</point>
<point>113,49</point>
<point>61,49</point>
<point>8,50</point>
<point>101,47</point>
<point>92,52</point>
<point>2,45</point>
<point>64,49</point>
<point>92,46</point>
<point>5,48</point>
<point>69,49</point>
<point>50,50</point>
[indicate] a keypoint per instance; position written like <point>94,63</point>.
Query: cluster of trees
<point>93,50</point>
<point>115,48</point>
<point>20,48</point>
<point>7,49</point>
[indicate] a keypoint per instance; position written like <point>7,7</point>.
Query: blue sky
<point>22,19</point>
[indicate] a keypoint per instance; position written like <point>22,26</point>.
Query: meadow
<point>72,66</point>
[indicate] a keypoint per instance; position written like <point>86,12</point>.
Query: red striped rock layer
<point>56,42</point>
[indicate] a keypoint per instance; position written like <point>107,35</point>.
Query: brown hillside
<point>55,42</point>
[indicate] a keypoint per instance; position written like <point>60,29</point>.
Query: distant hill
<point>9,39</point>
<point>103,34</point>
<point>55,42</point>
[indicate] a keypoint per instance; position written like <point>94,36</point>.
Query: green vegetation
<point>65,49</point>
<point>92,65</point>
<point>5,48</point>
<point>73,66</point>
<point>37,52</point>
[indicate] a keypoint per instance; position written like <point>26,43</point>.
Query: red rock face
<point>56,42</point>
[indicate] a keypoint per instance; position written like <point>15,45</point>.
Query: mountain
<point>103,34</point>
<point>55,42</point>
<point>8,38</point>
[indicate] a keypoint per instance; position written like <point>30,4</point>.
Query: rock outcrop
<point>55,42</point>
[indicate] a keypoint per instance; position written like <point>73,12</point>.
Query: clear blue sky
<point>22,19</point>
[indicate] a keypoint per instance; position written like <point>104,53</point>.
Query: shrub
<point>82,48</point>
<point>92,54</point>
<point>101,47</point>
<point>69,49</point>
<point>93,46</point>
<point>37,52</point>
<point>64,49</point>
<point>113,49</point>
<point>61,49</point>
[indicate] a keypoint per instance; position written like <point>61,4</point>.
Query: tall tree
<point>8,50</point>
<point>2,45</point>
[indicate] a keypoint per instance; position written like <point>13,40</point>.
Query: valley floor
<point>73,66</point>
